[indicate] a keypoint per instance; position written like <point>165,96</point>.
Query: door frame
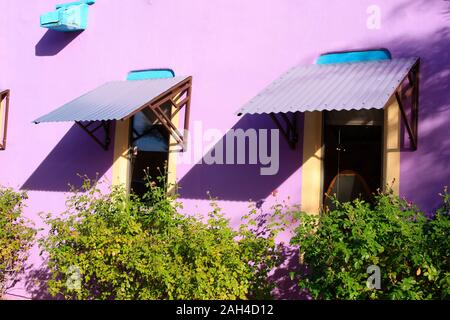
<point>313,156</point>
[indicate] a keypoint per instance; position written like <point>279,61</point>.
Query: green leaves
<point>131,248</point>
<point>16,235</point>
<point>411,250</point>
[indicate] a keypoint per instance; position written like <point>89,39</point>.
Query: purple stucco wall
<point>232,49</point>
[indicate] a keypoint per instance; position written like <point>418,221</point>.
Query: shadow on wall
<point>26,275</point>
<point>36,284</point>
<point>53,42</point>
<point>242,182</point>
<point>286,277</point>
<point>75,154</point>
<point>428,167</point>
<point>430,163</point>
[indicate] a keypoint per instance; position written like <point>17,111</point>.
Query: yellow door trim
<point>312,168</point>
<point>392,146</point>
<point>121,170</point>
<point>173,153</point>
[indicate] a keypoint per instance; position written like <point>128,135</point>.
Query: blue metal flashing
<point>68,17</point>
<point>151,74</point>
<point>354,56</point>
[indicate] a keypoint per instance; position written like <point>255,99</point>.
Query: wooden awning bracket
<point>4,96</point>
<point>411,123</point>
<point>289,130</point>
<point>93,126</point>
<point>183,91</point>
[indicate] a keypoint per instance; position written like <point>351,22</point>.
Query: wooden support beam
<point>289,131</point>
<point>406,121</point>
<point>106,125</point>
<point>4,110</point>
<point>166,120</point>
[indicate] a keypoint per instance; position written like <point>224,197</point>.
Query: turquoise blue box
<point>67,17</point>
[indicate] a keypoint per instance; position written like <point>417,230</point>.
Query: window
<point>353,154</point>
<point>151,141</point>
<point>358,150</point>
<point>4,106</point>
<point>377,133</point>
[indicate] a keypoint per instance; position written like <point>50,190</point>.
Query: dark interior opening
<point>152,163</point>
<point>353,156</point>
<point>150,142</point>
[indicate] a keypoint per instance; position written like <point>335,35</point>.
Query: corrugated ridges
<point>345,86</point>
<point>111,101</point>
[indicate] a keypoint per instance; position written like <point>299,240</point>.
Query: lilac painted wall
<point>232,49</point>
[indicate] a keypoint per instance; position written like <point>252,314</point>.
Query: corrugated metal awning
<point>344,86</point>
<point>121,100</point>
<point>113,101</point>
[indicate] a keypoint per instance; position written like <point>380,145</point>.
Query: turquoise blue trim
<point>150,74</point>
<point>354,56</point>
<point>49,18</point>
<point>68,17</point>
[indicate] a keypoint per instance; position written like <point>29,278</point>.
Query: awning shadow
<point>76,154</point>
<point>287,276</point>
<point>242,182</point>
<point>53,42</point>
<point>434,110</point>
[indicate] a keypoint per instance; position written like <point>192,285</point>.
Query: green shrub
<point>117,246</point>
<point>16,236</point>
<point>411,250</point>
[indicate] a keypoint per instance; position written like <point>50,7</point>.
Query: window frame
<point>313,156</point>
<point>122,167</point>
<point>4,110</point>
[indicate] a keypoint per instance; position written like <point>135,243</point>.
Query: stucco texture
<point>233,49</point>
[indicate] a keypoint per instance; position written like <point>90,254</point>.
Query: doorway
<point>353,155</point>
<point>150,143</point>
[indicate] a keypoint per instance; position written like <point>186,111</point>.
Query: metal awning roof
<point>344,86</point>
<point>116,100</point>
<point>121,100</point>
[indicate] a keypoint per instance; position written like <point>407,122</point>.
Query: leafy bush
<point>411,250</point>
<point>117,246</point>
<point>16,236</point>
